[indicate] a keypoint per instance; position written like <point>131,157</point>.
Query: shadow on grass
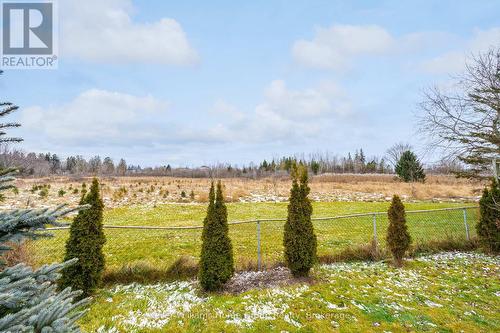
<point>186,268</point>
<point>448,244</point>
<point>143,272</point>
<point>364,252</point>
<point>371,252</point>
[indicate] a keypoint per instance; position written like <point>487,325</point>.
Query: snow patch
<point>164,301</point>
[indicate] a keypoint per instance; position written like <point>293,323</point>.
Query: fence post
<point>259,263</point>
<point>375,229</point>
<point>466,225</point>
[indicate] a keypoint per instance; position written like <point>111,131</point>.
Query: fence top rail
<point>268,220</point>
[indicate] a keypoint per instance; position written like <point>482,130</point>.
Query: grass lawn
<point>158,249</point>
<point>447,292</point>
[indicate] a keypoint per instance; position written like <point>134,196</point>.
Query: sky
<point>192,83</point>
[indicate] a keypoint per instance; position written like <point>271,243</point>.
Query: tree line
<point>48,164</point>
<point>329,163</point>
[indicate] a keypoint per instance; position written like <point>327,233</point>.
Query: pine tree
<point>315,167</point>
<point>398,239</point>
<point>108,167</point>
<point>299,239</point>
<point>29,301</point>
<point>409,168</point>
<point>85,242</point>
<point>488,227</point>
<point>216,263</point>
<point>362,159</point>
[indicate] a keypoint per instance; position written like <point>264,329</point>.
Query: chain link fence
<point>258,243</point>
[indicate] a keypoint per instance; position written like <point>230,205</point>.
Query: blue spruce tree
<point>29,300</point>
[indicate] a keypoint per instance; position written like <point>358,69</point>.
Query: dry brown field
<point>151,191</point>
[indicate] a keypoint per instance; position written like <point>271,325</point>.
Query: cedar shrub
<point>299,238</point>
<point>216,262</point>
<point>86,240</point>
<point>398,239</point>
<point>488,226</point>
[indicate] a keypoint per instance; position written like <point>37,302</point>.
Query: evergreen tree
<point>409,168</point>
<point>273,165</point>
<point>299,239</point>
<point>86,239</point>
<point>71,164</point>
<point>362,160</point>
<point>398,239</point>
<point>371,167</point>
<point>488,227</point>
<point>5,109</point>
<point>264,165</point>
<point>29,301</point>
<point>55,163</point>
<point>315,167</point>
<point>108,167</point>
<point>26,304</point>
<point>216,262</point>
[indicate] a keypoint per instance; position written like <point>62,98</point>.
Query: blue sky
<point>200,82</point>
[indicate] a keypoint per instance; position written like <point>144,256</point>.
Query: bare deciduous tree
<point>463,121</point>
<point>394,153</point>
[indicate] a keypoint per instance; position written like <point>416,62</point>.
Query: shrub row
<point>216,264</point>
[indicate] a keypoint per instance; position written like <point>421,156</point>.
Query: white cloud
<point>223,108</point>
<point>334,47</point>
<point>484,39</point>
<point>302,105</point>
<point>103,31</point>
<point>99,117</point>
<point>423,41</point>
<point>450,62</point>
<point>284,114</point>
<point>454,61</point>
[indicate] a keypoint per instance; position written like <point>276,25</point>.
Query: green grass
<point>448,292</point>
<point>152,252</point>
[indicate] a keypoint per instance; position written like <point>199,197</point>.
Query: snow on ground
<point>268,305</point>
<point>397,290</point>
<point>163,302</point>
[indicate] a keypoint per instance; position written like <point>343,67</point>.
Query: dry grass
<point>365,252</point>
<point>370,252</point>
<point>435,186</point>
<point>184,267</point>
<point>19,253</point>
<point>124,191</point>
<point>444,245</point>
